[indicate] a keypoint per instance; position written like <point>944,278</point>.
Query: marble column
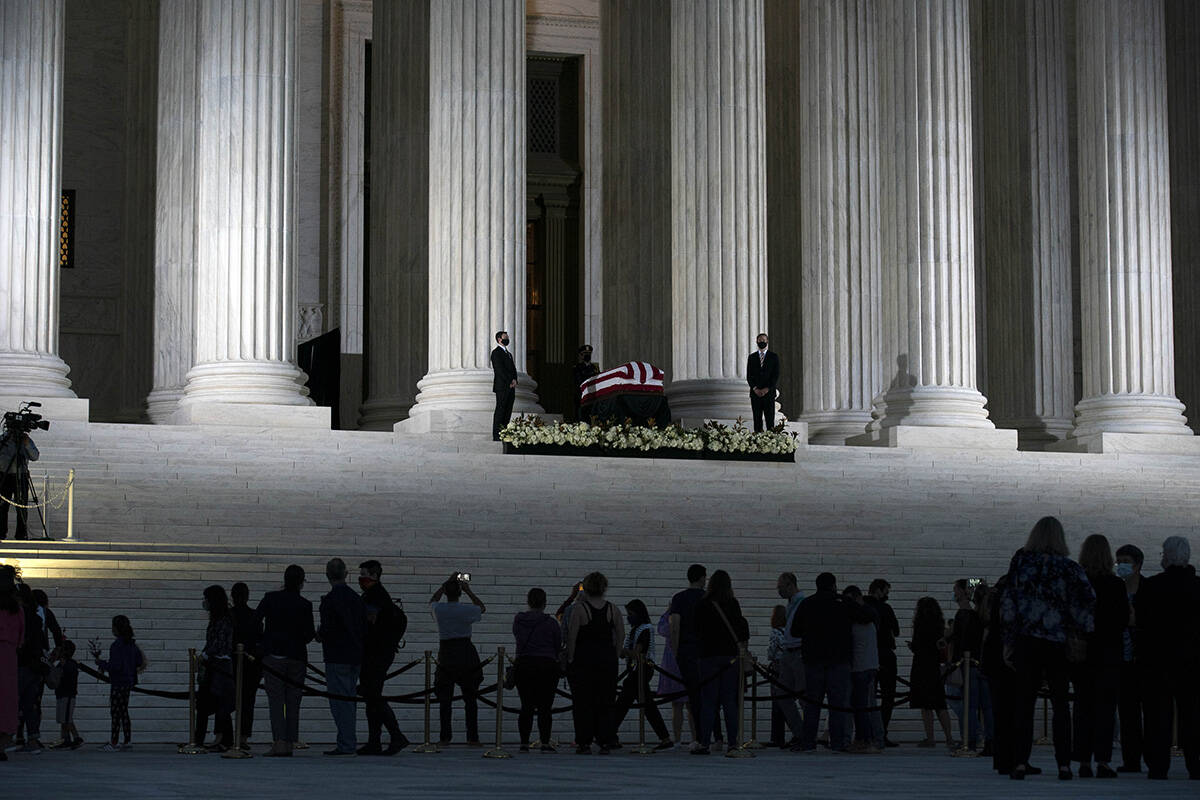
<point>554,226</point>
<point>1024,139</point>
<point>637,205</point>
<point>1124,231</point>
<point>839,146</point>
<point>1183,107</point>
<point>785,122</point>
<point>175,206</point>
<point>927,232</point>
<point>246,214</point>
<point>398,301</point>
<point>31,75</point>
<point>718,207</point>
<point>477,209</point>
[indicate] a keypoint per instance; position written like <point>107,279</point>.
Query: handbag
<point>1076,648</point>
<point>743,653</point>
<point>510,672</point>
<point>510,676</point>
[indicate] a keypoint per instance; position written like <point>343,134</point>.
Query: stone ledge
<point>457,425</point>
<point>919,436</point>
<point>265,415</point>
<point>1143,443</point>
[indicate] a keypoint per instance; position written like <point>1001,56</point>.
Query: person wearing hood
<point>538,643</point>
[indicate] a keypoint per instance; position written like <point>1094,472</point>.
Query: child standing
<point>125,661</point>
<point>65,692</point>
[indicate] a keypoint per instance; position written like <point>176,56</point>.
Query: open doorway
<point>553,285</point>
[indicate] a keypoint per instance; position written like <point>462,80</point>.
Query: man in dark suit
<point>762,373</point>
<point>504,383</point>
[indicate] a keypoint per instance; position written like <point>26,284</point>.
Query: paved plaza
<point>156,771</point>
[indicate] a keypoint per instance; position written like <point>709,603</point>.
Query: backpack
<point>399,626</point>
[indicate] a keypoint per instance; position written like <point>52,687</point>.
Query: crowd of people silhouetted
<point>1093,635</point>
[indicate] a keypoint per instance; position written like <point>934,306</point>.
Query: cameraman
<point>16,451</point>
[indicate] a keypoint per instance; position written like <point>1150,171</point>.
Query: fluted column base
<point>161,404</point>
<point>41,378</point>
<point>835,427</point>
<point>939,406</point>
<point>461,401</point>
<point>1130,413</point>
<point>726,400</point>
<point>934,416</point>
<point>32,374</point>
<point>256,393</point>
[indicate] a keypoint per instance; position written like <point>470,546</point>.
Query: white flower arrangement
<point>714,437</point>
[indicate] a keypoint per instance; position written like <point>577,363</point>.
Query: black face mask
<point>762,345</point>
<point>504,341</point>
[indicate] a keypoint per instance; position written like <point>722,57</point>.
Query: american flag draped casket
<point>632,377</point>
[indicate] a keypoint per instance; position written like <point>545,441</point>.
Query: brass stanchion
<point>190,749</point>
<point>753,743</point>
<point>236,750</point>
<point>736,748</point>
<point>964,750</point>
<point>498,751</point>
<point>71,506</point>
<point>428,746</point>
<point>1045,737</point>
<point>642,749</point>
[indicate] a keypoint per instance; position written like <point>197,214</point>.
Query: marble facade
<point>954,217</point>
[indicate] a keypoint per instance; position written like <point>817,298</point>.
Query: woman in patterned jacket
<point>1047,605</point>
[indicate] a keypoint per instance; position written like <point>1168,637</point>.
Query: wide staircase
<point>161,512</point>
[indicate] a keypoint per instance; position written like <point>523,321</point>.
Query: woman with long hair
<point>1098,678</point>
<point>1047,601</point>
<point>723,633</point>
<point>217,686</point>
<point>639,642</point>
<point>927,691</point>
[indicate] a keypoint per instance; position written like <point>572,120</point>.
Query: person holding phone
<point>458,660</point>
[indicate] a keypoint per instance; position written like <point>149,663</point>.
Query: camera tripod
<point>23,482</point>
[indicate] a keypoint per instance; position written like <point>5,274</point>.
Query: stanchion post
<point>753,743</point>
<point>190,749</point>
<point>71,506</point>
<point>1045,737</point>
<point>642,749</point>
<point>736,748</point>
<point>236,751</point>
<point>45,505</point>
<point>964,749</point>
<point>428,746</point>
<point>498,751</point>
<point>1176,750</point>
